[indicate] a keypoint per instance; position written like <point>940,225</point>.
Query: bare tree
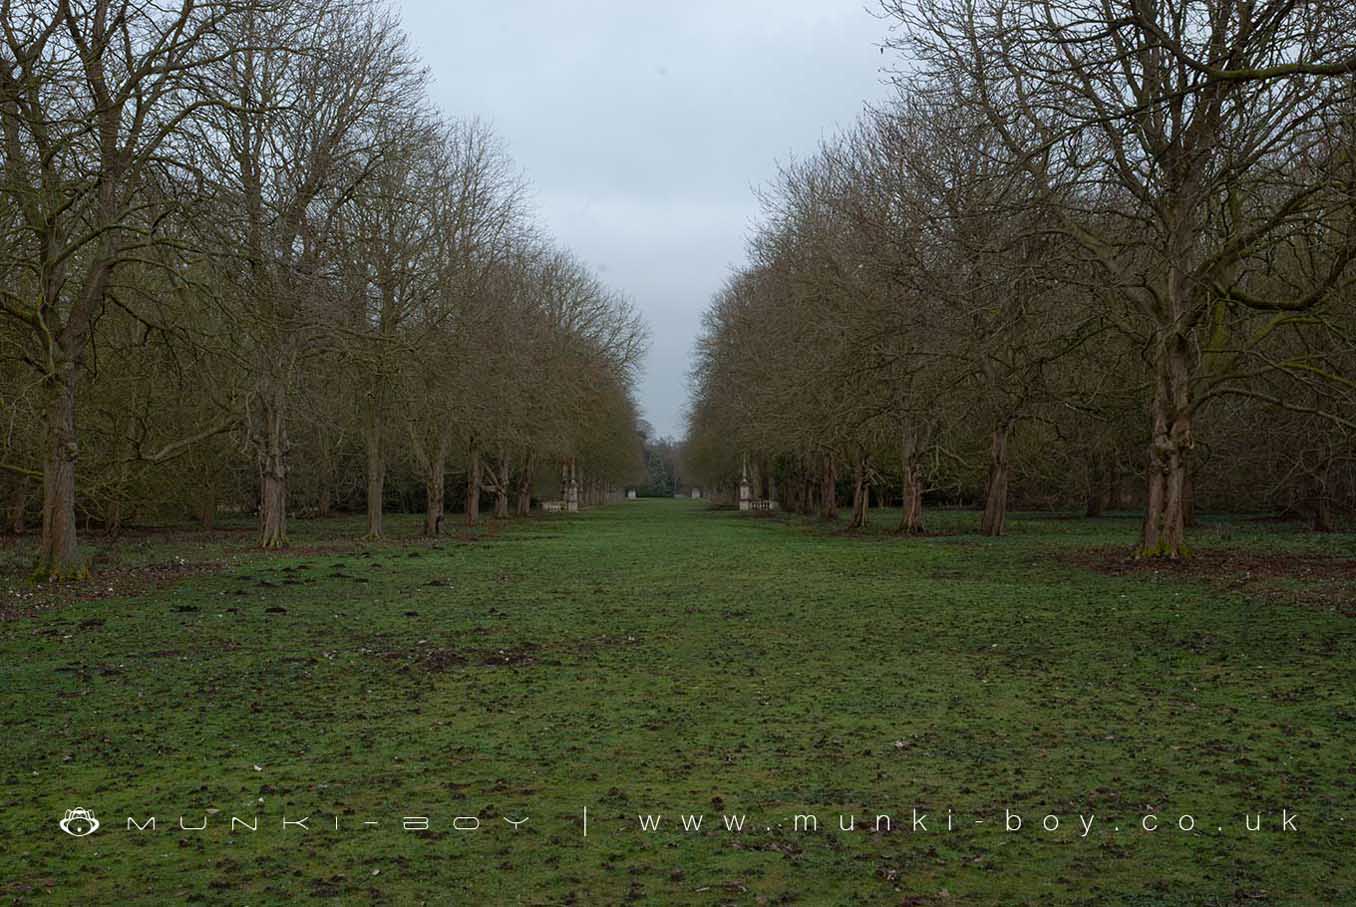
<point>298,133</point>
<point>90,95</point>
<point>1183,145</point>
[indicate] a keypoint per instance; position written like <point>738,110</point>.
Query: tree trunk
<point>324,505</point>
<point>525,486</point>
<point>273,505</point>
<point>376,475</point>
<point>59,556</point>
<point>860,494</point>
<point>501,488</point>
<point>911,504</point>
<point>911,515</point>
<point>270,443</point>
<point>828,489</point>
<point>996,491</point>
<point>435,494</point>
<point>473,485</point>
<point>1164,530</point>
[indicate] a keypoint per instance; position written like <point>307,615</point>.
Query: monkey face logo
<point>79,822</point>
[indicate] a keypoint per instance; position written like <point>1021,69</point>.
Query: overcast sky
<point>643,127</point>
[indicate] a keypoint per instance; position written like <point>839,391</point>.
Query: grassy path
<point>658,658</point>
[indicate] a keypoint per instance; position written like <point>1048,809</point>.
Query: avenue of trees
<point>1091,251</point>
<point>246,266</point>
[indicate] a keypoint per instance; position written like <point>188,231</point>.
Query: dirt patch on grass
<point>21,598</point>
<point>438,660</point>
<point>1313,580</point>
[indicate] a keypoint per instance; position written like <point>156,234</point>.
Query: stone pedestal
<point>745,491</point>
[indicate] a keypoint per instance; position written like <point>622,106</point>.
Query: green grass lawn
<point>661,658</point>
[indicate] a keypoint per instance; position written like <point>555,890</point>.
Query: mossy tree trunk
<point>1164,530</point>
<point>376,473</point>
<point>995,516</point>
<point>435,493</point>
<point>59,554</point>
<point>269,436</point>
<point>911,460</point>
